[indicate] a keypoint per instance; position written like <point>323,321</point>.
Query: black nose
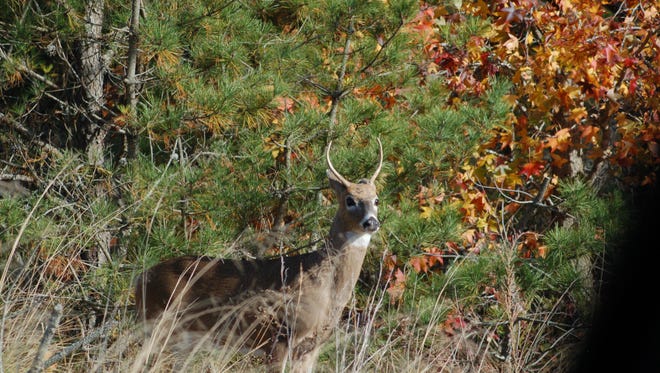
<point>371,224</point>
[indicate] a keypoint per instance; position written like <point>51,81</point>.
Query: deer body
<point>287,307</point>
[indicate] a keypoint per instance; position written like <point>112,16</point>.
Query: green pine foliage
<point>555,290</point>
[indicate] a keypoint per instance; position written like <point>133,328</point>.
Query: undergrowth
<point>498,309</point>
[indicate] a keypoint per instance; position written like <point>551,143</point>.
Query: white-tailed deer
<point>286,307</point>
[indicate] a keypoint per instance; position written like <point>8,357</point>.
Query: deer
<point>284,307</point>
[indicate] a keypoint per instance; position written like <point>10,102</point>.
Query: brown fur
<point>288,306</point>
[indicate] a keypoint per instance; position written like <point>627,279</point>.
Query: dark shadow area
<point>626,331</point>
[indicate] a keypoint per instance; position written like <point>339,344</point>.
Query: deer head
<point>357,216</point>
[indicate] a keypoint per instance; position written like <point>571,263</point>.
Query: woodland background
<point>520,139</point>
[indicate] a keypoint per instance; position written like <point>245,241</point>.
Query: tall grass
<point>374,336</point>
<point>454,325</point>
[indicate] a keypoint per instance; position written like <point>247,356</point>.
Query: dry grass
<point>373,337</point>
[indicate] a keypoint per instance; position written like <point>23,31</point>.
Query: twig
<point>536,199</point>
<point>131,81</point>
<point>17,177</point>
<point>502,190</point>
<point>539,196</point>
<point>308,80</point>
<point>38,363</point>
<point>23,67</point>
<point>209,13</point>
<point>383,46</point>
<point>99,332</point>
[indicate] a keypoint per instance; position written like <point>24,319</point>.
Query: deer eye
<point>376,202</point>
<point>350,201</point>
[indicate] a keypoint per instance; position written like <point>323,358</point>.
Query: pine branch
<point>24,68</point>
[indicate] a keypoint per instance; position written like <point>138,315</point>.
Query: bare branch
<point>38,363</point>
<point>133,41</point>
<point>101,331</point>
<point>16,177</point>
<point>18,127</point>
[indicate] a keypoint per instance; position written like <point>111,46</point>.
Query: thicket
<point>513,133</point>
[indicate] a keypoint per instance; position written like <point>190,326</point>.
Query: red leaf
<point>611,54</point>
<point>532,169</point>
<point>629,62</point>
<point>633,85</point>
<point>453,323</point>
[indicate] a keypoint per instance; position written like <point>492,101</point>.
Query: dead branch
<point>68,350</point>
<point>38,364</point>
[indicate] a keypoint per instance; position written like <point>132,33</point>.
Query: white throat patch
<point>358,239</point>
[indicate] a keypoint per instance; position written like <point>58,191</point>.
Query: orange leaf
<point>434,256</point>
<point>558,160</point>
<point>588,131</point>
<point>419,264</point>
<point>397,286</point>
<point>284,104</point>
<point>390,262</point>
<point>560,141</point>
<point>453,246</point>
<point>506,140</point>
<point>469,236</point>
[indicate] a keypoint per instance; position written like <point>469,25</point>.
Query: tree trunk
<point>94,130</point>
<point>131,80</point>
<point>92,65</point>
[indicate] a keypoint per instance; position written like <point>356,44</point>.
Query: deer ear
<point>335,183</point>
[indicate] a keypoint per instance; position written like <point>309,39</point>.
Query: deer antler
<point>332,168</point>
<point>380,162</point>
<point>343,179</point>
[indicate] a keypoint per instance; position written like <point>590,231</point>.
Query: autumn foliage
<point>584,103</point>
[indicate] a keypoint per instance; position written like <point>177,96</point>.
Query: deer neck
<point>347,250</point>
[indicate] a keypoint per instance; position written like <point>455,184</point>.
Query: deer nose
<point>371,224</point>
